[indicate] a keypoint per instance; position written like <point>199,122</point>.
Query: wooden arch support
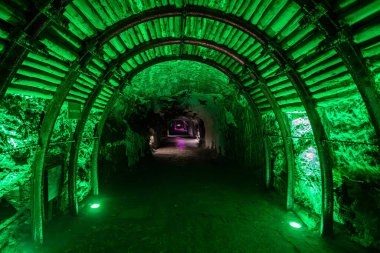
<point>77,138</point>
<point>279,56</point>
<point>74,150</point>
<point>37,167</point>
<point>284,127</point>
<point>18,50</point>
<point>285,136</point>
<point>343,44</point>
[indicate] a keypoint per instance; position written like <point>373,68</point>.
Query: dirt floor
<point>184,200</point>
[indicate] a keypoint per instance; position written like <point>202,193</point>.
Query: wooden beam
<point>75,146</point>
<point>343,43</point>
<point>97,139</point>
<point>37,167</point>
<point>23,41</point>
<point>78,134</point>
<point>287,141</point>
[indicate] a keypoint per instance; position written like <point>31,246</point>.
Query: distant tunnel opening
<point>160,109</point>
<point>181,132</point>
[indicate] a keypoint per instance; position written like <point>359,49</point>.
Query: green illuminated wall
<point>20,120</point>
<point>277,156</point>
<point>228,116</point>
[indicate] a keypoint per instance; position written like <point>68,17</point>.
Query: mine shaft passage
<point>184,118</point>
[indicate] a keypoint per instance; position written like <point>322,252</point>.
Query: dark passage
<point>184,200</point>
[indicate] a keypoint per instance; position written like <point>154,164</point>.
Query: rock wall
<point>244,142</point>
<point>308,188</point>
<point>19,124</point>
<point>277,154</point>
<point>122,144</point>
<point>307,176</point>
<point>84,158</point>
<point>356,169</point>
<point>20,121</point>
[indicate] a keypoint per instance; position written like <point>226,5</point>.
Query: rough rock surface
<point>21,118</point>
<point>356,169</point>
<point>19,124</point>
<point>272,132</point>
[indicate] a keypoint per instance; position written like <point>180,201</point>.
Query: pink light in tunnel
<point>180,143</point>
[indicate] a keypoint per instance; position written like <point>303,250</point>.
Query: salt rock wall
<point>307,189</point>
<point>244,142</point>
<point>20,121</point>
<point>356,169</point>
<point>216,119</point>
<point>121,146</point>
<point>59,150</point>
<point>121,154</point>
<point>19,124</point>
<point>136,146</point>
<point>277,154</point>
<point>84,158</point>
<point>308,185</point>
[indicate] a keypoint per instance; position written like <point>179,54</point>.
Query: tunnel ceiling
<point>306,55</point>
<point>175,88</point>
<point>168,78</point>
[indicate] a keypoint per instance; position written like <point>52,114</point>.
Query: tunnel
<point>190,126</point>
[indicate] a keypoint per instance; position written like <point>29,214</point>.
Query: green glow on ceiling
<point>118,44</point>
<point>372,50</point>
<point>328,63</point>
<point>298,36</point>
<point>91,15</point>
<point>167,78</point>
<point>75,42</point>
<point>260,11</point>
<point>291,26</point>
<point>281,20</point>
<point>327,75</point>
<point>308,47</point>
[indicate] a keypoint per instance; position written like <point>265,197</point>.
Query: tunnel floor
<point>184,199</point>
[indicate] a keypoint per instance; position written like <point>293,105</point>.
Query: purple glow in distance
<point>180,143</point>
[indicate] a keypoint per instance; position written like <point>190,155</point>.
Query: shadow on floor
<point>182,202</point>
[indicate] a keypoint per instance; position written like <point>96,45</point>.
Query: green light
<point>295,224</point>
<point>95,205</point>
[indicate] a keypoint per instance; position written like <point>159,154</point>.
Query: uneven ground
<point>184,200</point>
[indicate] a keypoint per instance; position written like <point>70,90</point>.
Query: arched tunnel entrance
<point>180,110</point>
<point>189,126</point>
